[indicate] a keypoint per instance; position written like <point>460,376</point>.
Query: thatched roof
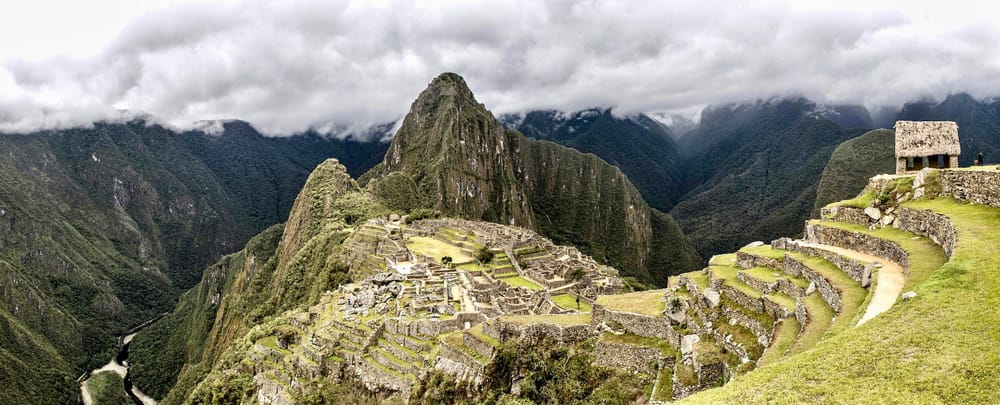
<point>926,138</point>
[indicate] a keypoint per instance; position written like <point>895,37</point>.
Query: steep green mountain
<point>283,267</point>
<point>450,155</point>
<point>978,123</point>
<point>852,164</point>
<point>460,160</point>
<point>101,228</point>
<point>638,145</point>
<point>753,171</point>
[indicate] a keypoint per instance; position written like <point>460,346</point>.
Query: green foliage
<point>107,388</point>
<point>852,163</point>
<point>422,213</point>
<point>545,374</point>
<point>325,391</point>
<point>753,173</point>
<point>484,255</point>
<point>641,147</point>
<point>396,191</point>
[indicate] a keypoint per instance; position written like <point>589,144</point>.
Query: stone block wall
<point>973,186</point>
<point>823,286</point>
<point>850,215</point>
<point>819,233</point>
<point>633,358</point>
<point>749,261</point>
<point>535,333</point>
<point>473,342</point>
<point>636,324</point>
<point>932,225</point>
<point>763,332</point>
<point>853,268</point>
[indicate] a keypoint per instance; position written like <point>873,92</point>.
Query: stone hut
<point>921,144</point>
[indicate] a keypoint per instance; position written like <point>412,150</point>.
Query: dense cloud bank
<point>287,66</point>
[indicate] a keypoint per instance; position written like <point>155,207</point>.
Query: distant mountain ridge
<point>643,148</point>
<point>746,169</point>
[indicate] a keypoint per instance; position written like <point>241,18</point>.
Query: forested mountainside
<point>641,147</point>
<point>101,228</point>
<point>753,172</point>
<point>852,164</point>
<point>721,166</point>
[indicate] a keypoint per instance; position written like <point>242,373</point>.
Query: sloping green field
<point>941,347</point>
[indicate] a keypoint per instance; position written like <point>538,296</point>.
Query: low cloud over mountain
<point>289,66</point>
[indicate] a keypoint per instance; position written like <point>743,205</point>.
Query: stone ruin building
<point>921,144</point>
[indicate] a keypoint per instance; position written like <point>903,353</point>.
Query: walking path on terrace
<point>891,279</point>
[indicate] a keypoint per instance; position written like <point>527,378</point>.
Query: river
<point>119,365</point>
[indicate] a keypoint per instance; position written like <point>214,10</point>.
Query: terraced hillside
<point>823,316</point>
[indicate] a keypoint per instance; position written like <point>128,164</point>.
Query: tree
<point>577,275</point>
<point>484,255</point>
<point>446,261</point>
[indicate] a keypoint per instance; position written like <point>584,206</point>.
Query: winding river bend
<point>118,365</point>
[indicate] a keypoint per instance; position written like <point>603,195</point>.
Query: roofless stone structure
<point>921,144</point>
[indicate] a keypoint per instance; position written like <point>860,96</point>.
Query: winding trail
<point>891,278</point>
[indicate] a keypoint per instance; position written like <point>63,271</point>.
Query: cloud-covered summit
<point>287,66</point>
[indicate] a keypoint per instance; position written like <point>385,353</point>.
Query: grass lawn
<point>436,249</point>
<point>650,302</point>
<point>940,347</point>
<point>518,281</point>
<point>568,301</point>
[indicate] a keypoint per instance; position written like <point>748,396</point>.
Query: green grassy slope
<point>938,347</point>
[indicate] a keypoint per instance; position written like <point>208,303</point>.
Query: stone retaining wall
<point>376,379</point>
<point>636,324</point>
<point>929,224</point>
<point>862,242</point>
<point>763,332</point>
<point>429,328</point>
<point>535,333</point>
<point>974,186</point>
<point>749,261</point>
<point>473,342</point>
<point>633,358</point>
<point>858,271</point>
<point>850,215</point>
<point>823,286</point>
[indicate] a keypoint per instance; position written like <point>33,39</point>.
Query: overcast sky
<point>286,66</point>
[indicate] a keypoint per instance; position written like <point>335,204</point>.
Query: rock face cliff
<point>462,161</point>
